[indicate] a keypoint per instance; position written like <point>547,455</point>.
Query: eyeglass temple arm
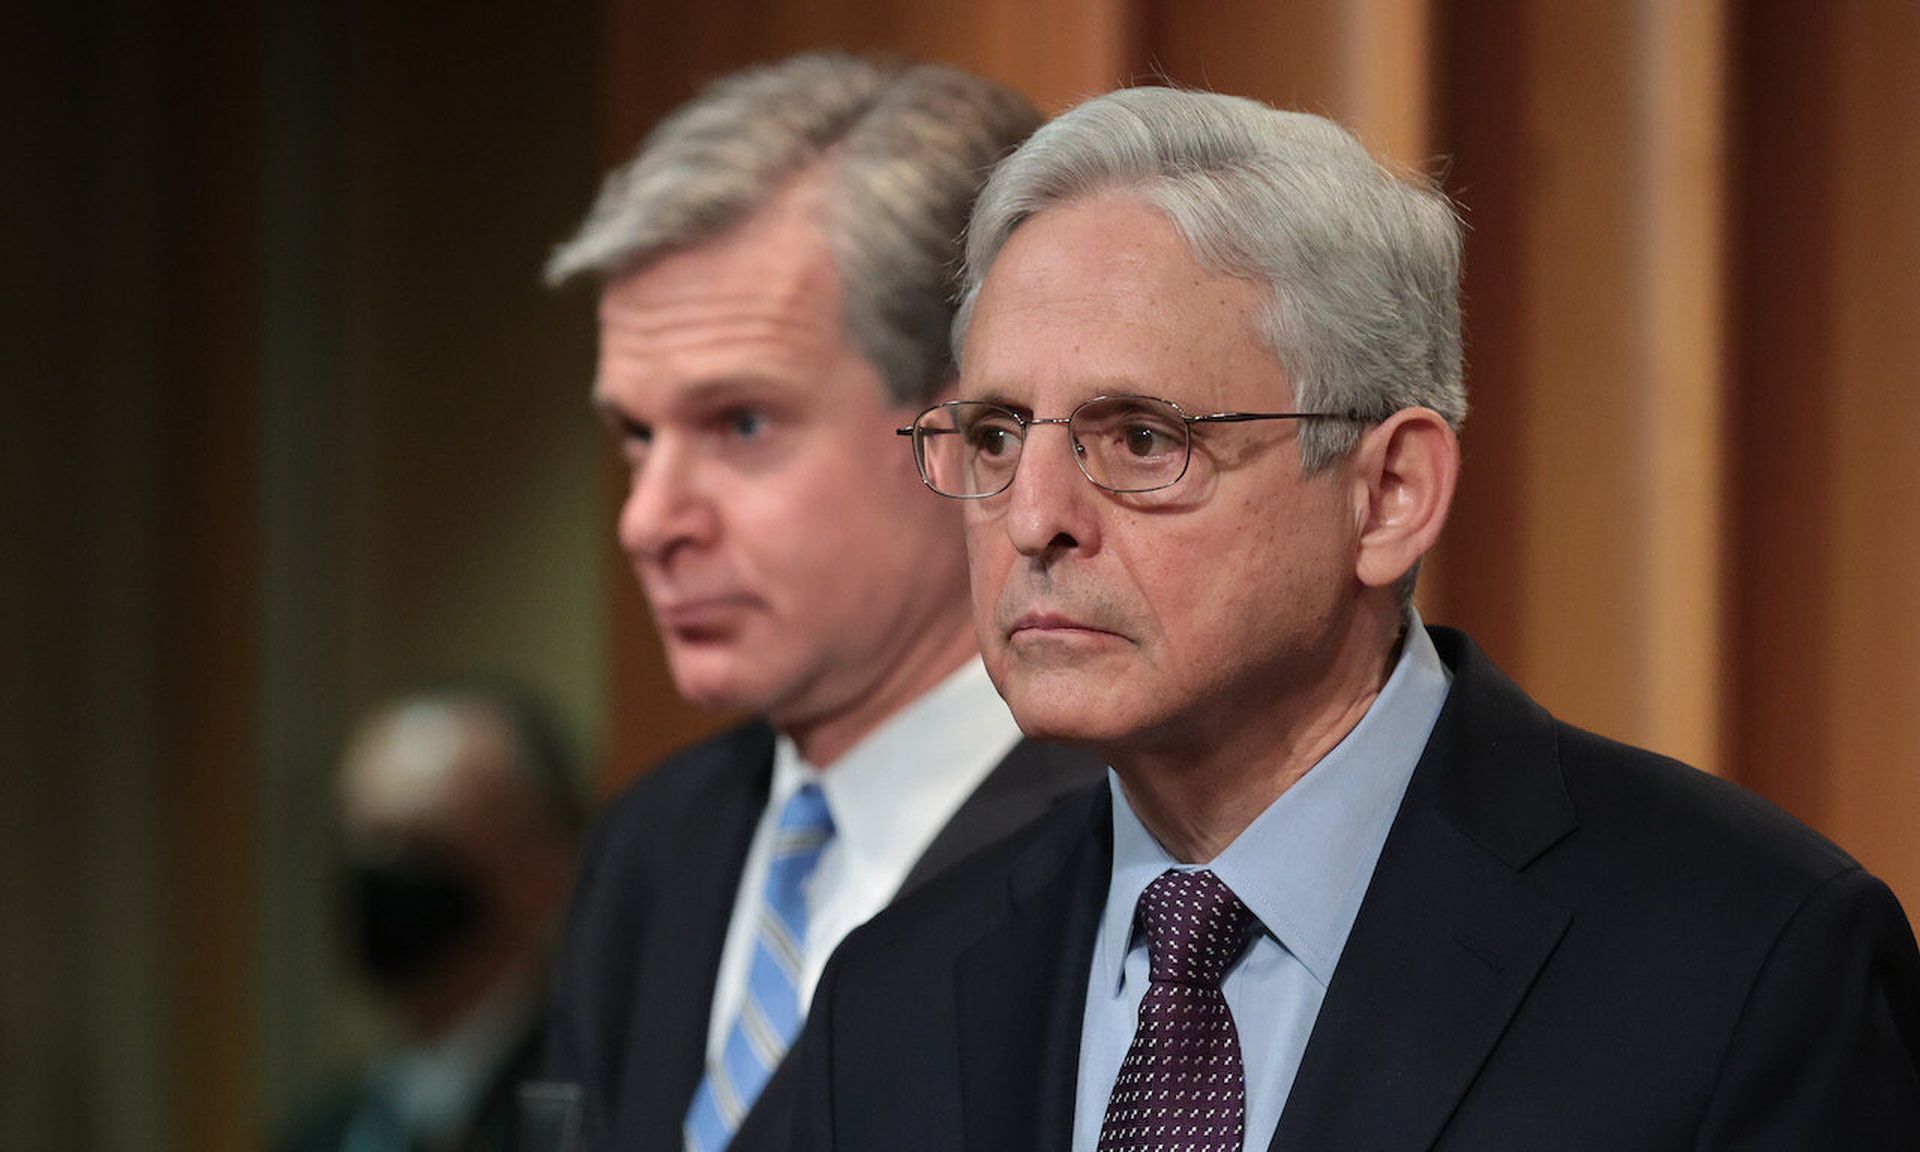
<point>1352,414</point>
<point>1243,417</point>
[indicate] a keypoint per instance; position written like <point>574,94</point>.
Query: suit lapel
<point>1445,949</point>
<point>689,917</point>
<point>1021,989</point>
<point>1026,783</point>
<point>1451,934</point>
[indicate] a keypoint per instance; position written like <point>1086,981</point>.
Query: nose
<point>665,509</point>
<point>1050,505</point>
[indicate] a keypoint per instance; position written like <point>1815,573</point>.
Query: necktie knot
<point>805,823</point>
<point>1195,927</point>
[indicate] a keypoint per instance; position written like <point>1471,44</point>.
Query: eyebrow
<point>707,394</point>
<point>1112,386</point>
<point>997,397</point>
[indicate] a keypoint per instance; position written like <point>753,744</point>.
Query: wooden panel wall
<point>1686,517</point>
<point>1824,423</point>
<point>1594,567</point>
<point>210,585</point>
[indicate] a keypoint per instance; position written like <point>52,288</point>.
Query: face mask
<point>409,913</point>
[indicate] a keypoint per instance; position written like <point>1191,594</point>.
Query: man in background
<point>460,819</point>
<point>1348,887</point>
<point>776,269</point>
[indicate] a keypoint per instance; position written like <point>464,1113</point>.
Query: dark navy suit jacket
<point>635,986</point>
<point>1568,944</point>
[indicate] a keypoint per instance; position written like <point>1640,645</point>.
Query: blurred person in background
<point>776,269</point>
<point>460,817</point>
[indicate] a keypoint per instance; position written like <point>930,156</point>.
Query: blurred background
<point>291,426</point>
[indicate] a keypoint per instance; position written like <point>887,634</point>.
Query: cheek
<point>989,561</point>
<point>1194,582</point>
<point>781,545</point>
<point>839,545</point>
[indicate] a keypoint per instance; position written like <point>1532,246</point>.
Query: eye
<point>1133,428</point>
<point>635,439</point>
<point>1143,439</point>
<point>990,441</point>
<point>992,436</point>
<point>744,423</point>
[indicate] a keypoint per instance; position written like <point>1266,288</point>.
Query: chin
<point>714,698</point>
<point>1065,717</point>
<point>717,685</point>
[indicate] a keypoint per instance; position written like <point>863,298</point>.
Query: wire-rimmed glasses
<point>968,449</point>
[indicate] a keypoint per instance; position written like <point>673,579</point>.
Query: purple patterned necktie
<point>1181,1085</point>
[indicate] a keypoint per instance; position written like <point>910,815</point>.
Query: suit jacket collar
<point>1492,765</point>
<point>1451,934</point>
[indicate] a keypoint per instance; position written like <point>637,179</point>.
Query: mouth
<point>1041,626</point>
<point>706,619</point>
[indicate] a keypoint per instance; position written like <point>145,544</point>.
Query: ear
<point>1404,470</point>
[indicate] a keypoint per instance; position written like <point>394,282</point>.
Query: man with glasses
<point>1347,887</point>
<point>778,273</point>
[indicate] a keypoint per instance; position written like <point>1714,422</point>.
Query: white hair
<point>1363,264</point>
<point>909,146</point>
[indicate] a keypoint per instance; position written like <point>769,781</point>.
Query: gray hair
<point>1363,263</point>
<point>909,146</point>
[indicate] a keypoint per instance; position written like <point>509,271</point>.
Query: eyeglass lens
<point>1122,443</point>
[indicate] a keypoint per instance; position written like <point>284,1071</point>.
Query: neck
<point>825,738</point>
<point>1196,794</point>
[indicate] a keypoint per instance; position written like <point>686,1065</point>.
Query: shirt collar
<point>891,793</point>
<point>1303,865</point>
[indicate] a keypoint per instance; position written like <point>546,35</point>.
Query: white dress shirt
<point>890,795</point>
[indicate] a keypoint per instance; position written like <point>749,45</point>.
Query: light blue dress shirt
<point>1302,867</point>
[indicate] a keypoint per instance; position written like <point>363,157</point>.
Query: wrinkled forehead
<point>760,303</point>
<point>1104,295</point>
<point>775,264</point>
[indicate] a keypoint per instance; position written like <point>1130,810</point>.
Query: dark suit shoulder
<point>1521,783</point>
<point>641,829</point>
<point>1780,978</point>
<point>651,903</point>
<point>732,761</point>
<point>664,819</point>
<point>923,930</point>
<point>1696,830</point>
